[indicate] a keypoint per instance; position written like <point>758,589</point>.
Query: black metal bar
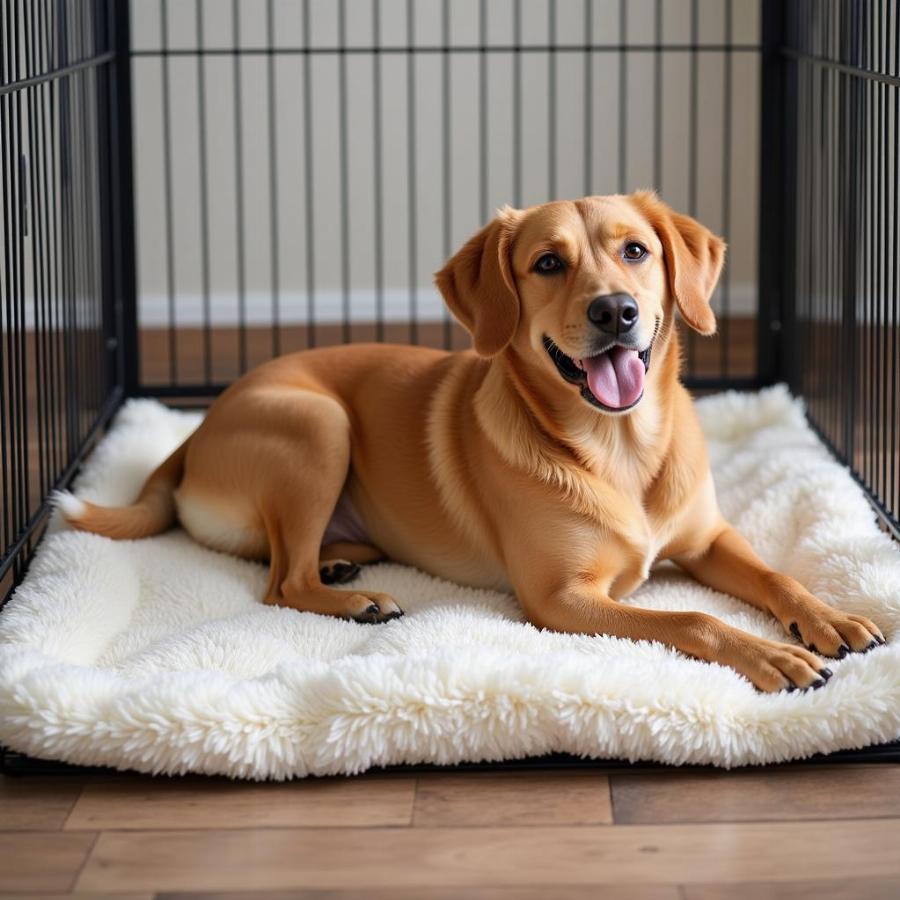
<point>657,95</point>
<point>124,249</point>
<point>552,127</point>
<point>693,137</point>
<point>110,323</point>
<point>343,165</point>
<point>411,187</point>
<point>623,97</point>
<point>769,362</point>
<point>58,73</point>
<point>846,68</point>
<point>203,186</point>
<point>588,90</point>
<point>724,317</point>
<point>418,49</point>
<point>308,184</point>
<point>167,197</point>
<point>483,115</point>
<point>240,259</point>
<point>10,511</point>
<point>38,255</point>
<point>892,499</point>
<point>850,215</point>
<point>446,160</point>
<point>274,238</point>
<point>517,103</point>
<point>377,171</point>
<point>56,342</point>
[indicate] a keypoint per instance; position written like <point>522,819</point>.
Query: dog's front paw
<point>833,633</point>
<point>773,666</point>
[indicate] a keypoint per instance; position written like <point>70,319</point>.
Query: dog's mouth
<point>611,380</point>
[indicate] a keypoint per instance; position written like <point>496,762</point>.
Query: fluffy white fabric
<point>157,655</point>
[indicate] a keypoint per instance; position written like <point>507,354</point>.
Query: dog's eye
<point>548,264</point>
<point>634,251</point>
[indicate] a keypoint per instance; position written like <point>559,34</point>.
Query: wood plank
<point>840,792</point>
<point>479,857</point>
<point>116,896</point>
<point>535,892</point>
<point>858,889</point>
<point>41,861</point>
<point>36,804</point>
<point>512,798</point>
<point>217,803</point>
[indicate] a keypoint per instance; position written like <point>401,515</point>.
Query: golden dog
<point>559,460</point>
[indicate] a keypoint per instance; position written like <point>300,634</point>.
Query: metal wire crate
<point>190,187</point>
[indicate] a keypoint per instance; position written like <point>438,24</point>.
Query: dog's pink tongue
<point>616,378</point>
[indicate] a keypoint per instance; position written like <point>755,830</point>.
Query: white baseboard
<point>153,308</point>
<point>328,307</point>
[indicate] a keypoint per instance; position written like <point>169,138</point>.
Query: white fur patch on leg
<point>68,504</point>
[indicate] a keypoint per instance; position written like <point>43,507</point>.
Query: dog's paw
<point>372,608</point>
<point>834,633</point>
<point>338,571</point>
<point>773,666</point>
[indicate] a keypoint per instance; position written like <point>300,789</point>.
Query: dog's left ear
<point>694,258</point>
<point>479,287</point>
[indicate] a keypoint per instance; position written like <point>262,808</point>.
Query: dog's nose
<point>614,313</point>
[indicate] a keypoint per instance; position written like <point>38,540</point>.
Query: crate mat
<point>157,655</point>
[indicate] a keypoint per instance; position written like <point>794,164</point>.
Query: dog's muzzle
<point>611,380</point>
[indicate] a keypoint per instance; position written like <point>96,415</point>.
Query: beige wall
<point>289,233</point>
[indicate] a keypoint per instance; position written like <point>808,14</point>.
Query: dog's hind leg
<point>297,509</point>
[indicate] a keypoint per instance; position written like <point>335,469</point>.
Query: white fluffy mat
<point>158,656</point>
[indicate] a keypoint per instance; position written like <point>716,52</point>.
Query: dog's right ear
<point>479,286</point>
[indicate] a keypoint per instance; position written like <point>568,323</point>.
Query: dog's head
<point>585,290</point>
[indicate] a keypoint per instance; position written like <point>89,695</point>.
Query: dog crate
<point>193,186</point>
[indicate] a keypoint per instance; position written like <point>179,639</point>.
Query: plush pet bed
<point>157,655</point>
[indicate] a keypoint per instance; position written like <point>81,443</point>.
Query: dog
<point>558,459</point>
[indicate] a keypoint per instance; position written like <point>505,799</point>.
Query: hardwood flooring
<point>785,833</point>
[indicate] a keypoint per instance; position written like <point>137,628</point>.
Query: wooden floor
<point>789,833</point>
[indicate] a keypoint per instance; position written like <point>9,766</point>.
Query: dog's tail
<point>151,513</point>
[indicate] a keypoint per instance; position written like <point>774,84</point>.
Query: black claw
<point>872,645</point>
<point>818,683</point>
<point>791,688</point>
<point>843,650</point>
<point>826,673</point>
<point>394,615</point>
<point>812,648</point>
<point>795,630</point>
<point>881,640</point>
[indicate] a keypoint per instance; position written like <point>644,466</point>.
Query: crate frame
<point>843,62</point>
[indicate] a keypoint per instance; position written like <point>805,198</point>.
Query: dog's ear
<point>693,257</point>
<point>479,286</point>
